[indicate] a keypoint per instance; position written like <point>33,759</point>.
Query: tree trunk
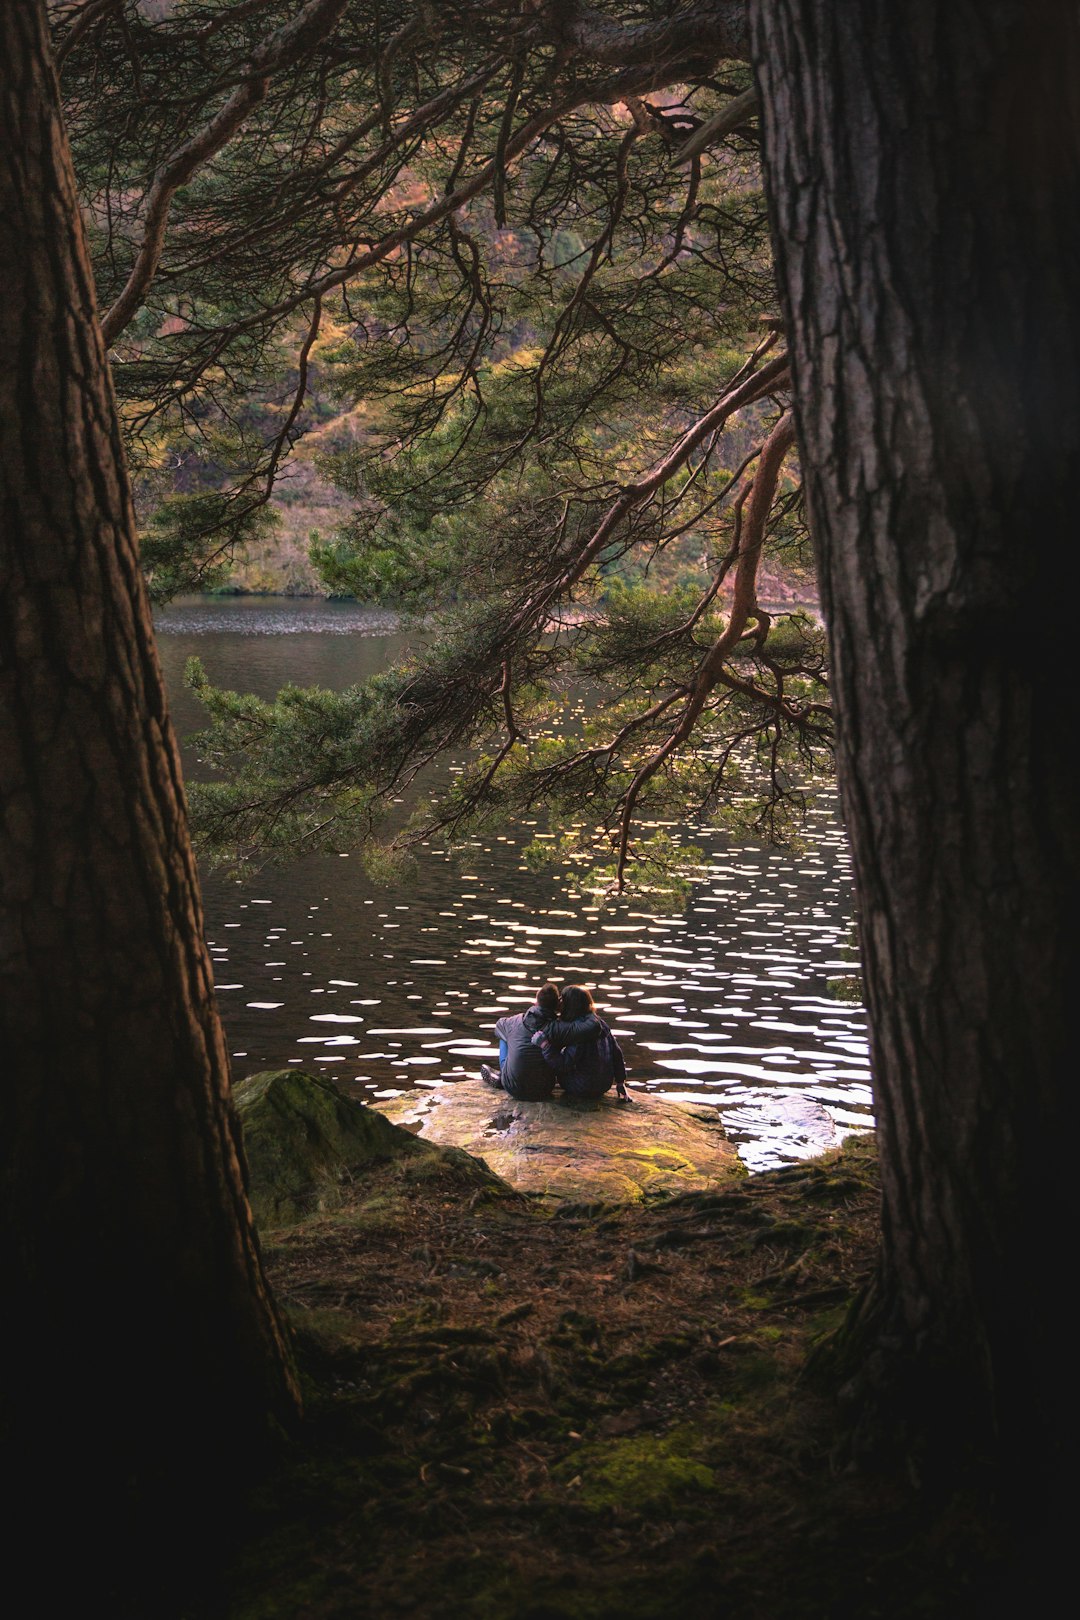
<point>140,1336</point>
<point>923,168</point>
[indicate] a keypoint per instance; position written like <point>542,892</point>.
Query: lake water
<point>726,1004</point>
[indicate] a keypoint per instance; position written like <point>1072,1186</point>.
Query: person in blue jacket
<point>584,1068</point>
<point>523,1070</point>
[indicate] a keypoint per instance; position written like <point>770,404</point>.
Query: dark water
<point>726,1004</point>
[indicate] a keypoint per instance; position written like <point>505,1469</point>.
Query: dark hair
<point>576,1002</point>
<point>547,998</point>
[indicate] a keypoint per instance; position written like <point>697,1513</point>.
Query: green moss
<point>846,989</point>
<point>754,1302</point>
<point>336,1330</point>
<point>447,1164</point>
<point>647,1473</point>
<point>327,1345</point>
<point>306,1145</point>
<point>784,1234</point>
<point>675,1344</point>
<point>304,1142</point>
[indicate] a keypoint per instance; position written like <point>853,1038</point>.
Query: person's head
<point>547,999</point>
<point>576,1002</point>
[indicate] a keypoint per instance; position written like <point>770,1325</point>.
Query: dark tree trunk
<point>923,168</point>
<point>139,1333</point>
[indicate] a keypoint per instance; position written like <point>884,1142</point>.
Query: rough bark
<point>139,1332</point>
<point>923,168</point>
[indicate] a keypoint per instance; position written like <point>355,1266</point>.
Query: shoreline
<point>772,605</point>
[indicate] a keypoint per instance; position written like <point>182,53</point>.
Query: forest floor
<point>597,1414</point>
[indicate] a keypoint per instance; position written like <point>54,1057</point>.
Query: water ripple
<point>727,1006</point>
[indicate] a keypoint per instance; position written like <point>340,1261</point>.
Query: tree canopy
<point>930,282</point>
<point>520,254</point>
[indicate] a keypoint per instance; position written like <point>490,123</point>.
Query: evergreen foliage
<point>560,386</point>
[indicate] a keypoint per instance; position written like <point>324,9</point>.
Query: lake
<point>725,1004</point>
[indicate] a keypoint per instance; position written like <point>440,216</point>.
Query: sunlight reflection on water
<point>725,1006</point>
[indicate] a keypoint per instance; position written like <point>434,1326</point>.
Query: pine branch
<point>743,608</point>
<point>298,37</point>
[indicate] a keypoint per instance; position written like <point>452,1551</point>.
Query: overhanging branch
<point>743,605</point>
<point>287,45</point>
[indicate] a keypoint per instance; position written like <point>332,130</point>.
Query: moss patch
<point>306,1145</point>
<point>649,1473</point>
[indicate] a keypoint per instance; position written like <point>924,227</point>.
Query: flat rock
<point>603,1151</point>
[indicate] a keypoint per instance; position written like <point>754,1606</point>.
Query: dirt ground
<point>516,1414</point>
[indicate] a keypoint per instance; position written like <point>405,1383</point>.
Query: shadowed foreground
<point>600,1413</point>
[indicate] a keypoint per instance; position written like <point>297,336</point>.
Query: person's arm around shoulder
<point>555,1059</point>
<point>560,1033</point>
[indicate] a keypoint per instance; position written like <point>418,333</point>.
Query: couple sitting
<point>553,1044</point>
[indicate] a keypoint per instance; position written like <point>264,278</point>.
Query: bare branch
<point>720,124</point>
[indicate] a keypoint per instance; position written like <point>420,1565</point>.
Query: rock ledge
<point>607,1151</point>
<point>306,1145</point>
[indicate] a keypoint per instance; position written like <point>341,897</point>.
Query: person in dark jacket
<point>523,1070</point>
<point>584,1069</point>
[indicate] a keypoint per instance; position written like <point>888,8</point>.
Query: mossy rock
<point>306,1144</point>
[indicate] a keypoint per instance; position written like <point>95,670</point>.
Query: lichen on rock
<point>601,1150</point>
